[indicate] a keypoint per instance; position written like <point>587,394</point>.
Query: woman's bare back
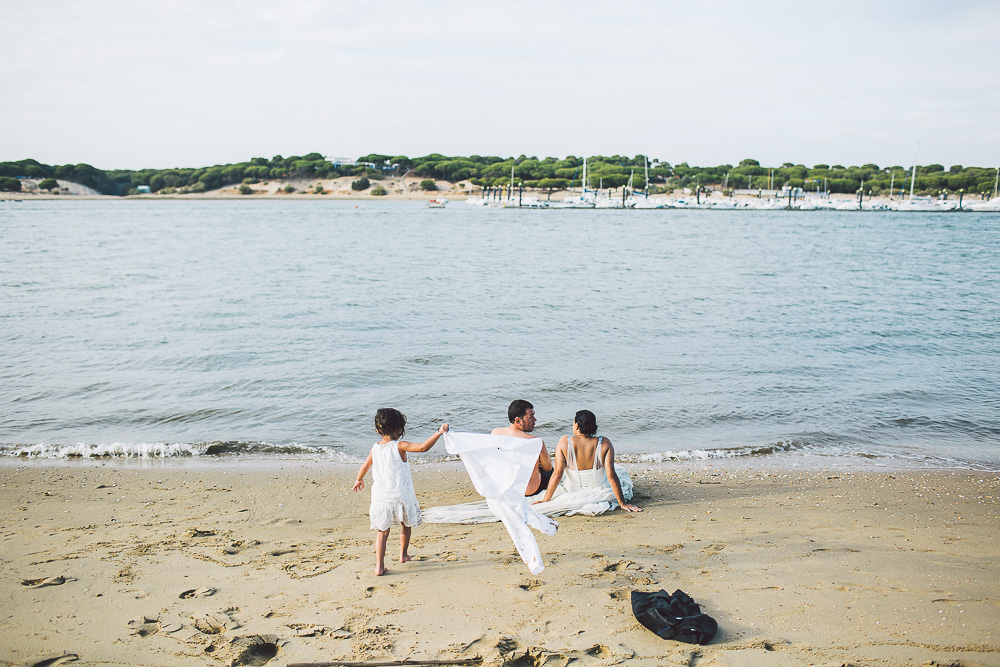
<point>585,449</point>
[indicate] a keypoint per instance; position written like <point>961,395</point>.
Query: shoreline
<point>836,204</point>
<point>796,460</point>
<point>797,567</point>
<point>340,196</point>
<point>770,464</point>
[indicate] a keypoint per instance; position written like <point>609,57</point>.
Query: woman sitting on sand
<point>587,461</point>
<point>593,487</point>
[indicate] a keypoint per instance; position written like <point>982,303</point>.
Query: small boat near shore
<point>439,202</point>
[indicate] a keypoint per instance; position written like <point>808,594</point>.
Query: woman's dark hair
<point>390,422</point>
<point>518,408</point>
<point>587,422</point>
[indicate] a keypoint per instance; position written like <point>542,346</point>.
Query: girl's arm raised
<point>405,446</point>
<point>616,485</point>
<point>359,483</point>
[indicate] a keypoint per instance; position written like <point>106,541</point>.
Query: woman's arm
<point>359,483</point>
<point>616,485</point>
<point>405,446</point>
<point>558,472</point>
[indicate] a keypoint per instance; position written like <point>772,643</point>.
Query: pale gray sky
<point>127,84</point>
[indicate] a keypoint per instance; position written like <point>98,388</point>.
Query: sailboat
<point>643,202</point>
<point>585,199</point>
<point>918,203</point>
<point>992,204</point>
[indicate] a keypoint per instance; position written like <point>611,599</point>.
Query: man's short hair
<point>518,408</point>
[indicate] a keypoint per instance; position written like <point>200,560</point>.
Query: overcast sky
<point>193,83</point>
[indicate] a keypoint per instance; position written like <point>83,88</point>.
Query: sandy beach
<point>270,562</point>
<point>314,189</point>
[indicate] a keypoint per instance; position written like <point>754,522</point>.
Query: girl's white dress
<point>393,499</point>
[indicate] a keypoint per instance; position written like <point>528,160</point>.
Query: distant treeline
<point>545,174</point>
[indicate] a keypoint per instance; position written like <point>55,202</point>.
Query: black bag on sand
<point>674,616</point>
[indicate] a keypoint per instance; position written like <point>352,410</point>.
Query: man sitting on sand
<point>521,414</point>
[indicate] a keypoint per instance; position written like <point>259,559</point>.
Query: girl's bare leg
<point>404,543</point>
<point>381,536</point>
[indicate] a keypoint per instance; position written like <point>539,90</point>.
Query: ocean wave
<point>162,450</point>
<point>738,451</point>
<point>805,449</point>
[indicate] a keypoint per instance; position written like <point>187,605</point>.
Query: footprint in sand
<point>307,629</point>
<point>57,660</point>
<point>256,650</point>
<point>532,585</point>
<point>197,532</point>
<point>621,566</point>
<point>202,592</point>
<point>145,626</point>
<point>47,581</point>
<point>235,547</point>
<point>713,549</point>
<point>217,623</point>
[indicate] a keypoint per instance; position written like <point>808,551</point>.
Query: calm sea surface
<point>277,328</point>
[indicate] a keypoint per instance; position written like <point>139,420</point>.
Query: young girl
<point>393,498</point>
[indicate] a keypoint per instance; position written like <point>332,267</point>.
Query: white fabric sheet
<point>590,502</point>
<point>500,468</point>
<point>580,492</point>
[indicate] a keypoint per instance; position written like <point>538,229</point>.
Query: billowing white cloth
<point>500,468</point>
<point>579,492</point>
<point>393,499</point>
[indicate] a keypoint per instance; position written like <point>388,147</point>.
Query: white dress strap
<point>570,453</point>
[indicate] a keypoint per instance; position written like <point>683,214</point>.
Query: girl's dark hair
<point>390,422</point>
<point>587,422</point>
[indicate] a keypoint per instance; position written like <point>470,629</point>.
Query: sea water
<point>276,328</point>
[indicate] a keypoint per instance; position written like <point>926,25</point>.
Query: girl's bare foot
<point>380,571</point>
<point>405,558</point>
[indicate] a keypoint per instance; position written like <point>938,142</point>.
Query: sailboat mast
<point>584,174</point>
<point>913,176</point>
<point>645,164</point>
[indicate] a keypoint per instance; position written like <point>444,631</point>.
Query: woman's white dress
<point>585,491</point>
<point>579,492</point>
<point>393,499</point>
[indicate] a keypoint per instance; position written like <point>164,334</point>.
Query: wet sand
<point>243,562</point>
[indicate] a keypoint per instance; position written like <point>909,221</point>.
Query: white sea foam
<point>129,450</point>
<point>161,450</point>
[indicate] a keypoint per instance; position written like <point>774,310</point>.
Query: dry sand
<point>243,562</point>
